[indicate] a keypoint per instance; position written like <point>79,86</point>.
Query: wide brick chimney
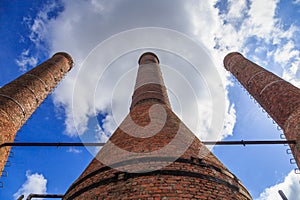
<point>153,155</point>
<point>21,97</point>
<point>279,98</point>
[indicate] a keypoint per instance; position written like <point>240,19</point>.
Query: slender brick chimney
<point>153,155</point>
<point>279,98</point>
<point>21,97</point>
<point>149,83</point>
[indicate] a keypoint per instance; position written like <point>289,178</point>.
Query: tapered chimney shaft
<point>279,98</point>
<point>21,97</point>
<point>153,155</point>
<point>149,84</point>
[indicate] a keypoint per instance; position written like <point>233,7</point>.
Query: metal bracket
<point>282,136</point>
<point>292,161</point>
<point>288,151</point>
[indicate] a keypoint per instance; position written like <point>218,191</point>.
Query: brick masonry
<point>149,81</point>
<point>21,97</point>
<point>279,98</point>
<point>170,164</point>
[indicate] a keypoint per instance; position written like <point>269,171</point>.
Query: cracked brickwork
<point>21,97</point>
<point>279,98</point>
<point>170,164</point>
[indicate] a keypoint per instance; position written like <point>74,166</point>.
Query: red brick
<point>21,97</point>
<point>279,98</point>
<point>189,180</point>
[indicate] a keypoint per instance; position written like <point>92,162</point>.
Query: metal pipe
<point>253,142</point>
<point>20,197</point>
<point>49,144</point>
<point>54,196</point>
<point>79,144</point>
<point>282,195</point>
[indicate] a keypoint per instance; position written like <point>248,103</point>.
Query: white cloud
<point>84,24</point>
<point>251,28</point>
<point>279,34</point>
<point>204,17</point>
<point>109,126</point>
<point>39,36</point>
<point>262,17</point>
<point>285,53</point>
<point>290,186</point>
<point>25,61</point>
<point>219,38</point>
<point>236,10</point>
<point>35,183</point>
<point>80,27</point>
<point>100,136</point>
<point>74,150</point>
<point>292,73</point>
<point>230,120</point>
<point>39,25</point>
<point>296,1</point>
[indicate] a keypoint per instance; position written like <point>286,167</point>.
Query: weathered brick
<point>21,97</point>
<point>169,175</point>
<point>279,98</point>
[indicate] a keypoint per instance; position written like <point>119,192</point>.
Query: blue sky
<point>265,31</point>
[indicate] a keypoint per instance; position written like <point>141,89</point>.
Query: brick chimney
<point>153,155</point>
<point>279,98</point>
<point>149,83</point>
<point>21,97</point>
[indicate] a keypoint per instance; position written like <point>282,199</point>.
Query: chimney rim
<point>148,53</point>
<point>228,57</point>
<point>67,56</point>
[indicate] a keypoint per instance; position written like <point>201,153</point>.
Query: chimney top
<point>148,57</point>
<point>67,56</point>
<point>228,58</point>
